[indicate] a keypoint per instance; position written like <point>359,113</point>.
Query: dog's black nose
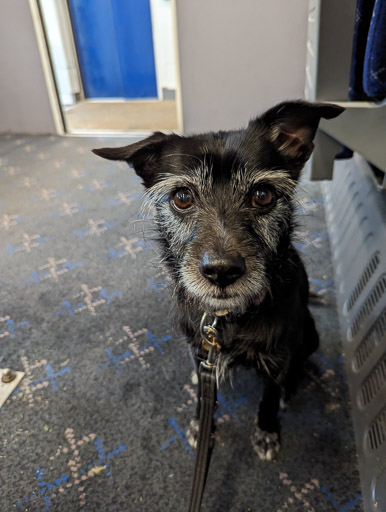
<point>222,270</point>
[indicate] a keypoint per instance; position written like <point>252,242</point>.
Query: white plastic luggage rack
<point>356,215</point>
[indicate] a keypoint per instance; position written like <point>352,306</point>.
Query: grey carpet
<point>98,422</point>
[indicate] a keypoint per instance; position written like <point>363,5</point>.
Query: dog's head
<point>224,200</point>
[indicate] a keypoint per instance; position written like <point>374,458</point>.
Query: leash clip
<point>209,333</point>
<point>211,340</point>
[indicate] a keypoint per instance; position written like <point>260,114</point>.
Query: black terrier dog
<point>224,207</point>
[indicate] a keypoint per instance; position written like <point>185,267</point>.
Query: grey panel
<point>356,213</point>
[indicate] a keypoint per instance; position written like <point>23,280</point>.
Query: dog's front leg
<point>265,439</point>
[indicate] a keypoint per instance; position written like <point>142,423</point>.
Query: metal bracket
<point>9,381</point>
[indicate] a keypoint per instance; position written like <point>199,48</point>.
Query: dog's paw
<point>265,444</point>
<point>192,433</point>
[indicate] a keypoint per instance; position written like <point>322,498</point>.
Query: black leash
<point>208,402</point>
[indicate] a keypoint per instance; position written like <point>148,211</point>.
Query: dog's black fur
<point>224,210</point>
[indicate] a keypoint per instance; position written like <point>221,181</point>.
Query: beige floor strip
<point>122,116</point>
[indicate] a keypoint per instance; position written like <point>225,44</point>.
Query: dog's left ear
<point>144,155</point>
<point>292,125</point>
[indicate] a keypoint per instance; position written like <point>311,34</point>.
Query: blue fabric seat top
<point>368,65</point>
<point>374,72</point>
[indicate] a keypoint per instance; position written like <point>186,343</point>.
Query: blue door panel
<point>115,47</point>
<point>93,24</point>
<point>132,21</point>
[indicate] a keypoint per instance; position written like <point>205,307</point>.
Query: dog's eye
<point>262,197</point>
<point>182,198</point>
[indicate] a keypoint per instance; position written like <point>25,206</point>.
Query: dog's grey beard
<point>238,296</point>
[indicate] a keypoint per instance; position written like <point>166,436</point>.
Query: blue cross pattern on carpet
<point>320,286</point>
<point>336,365</point>
<point>117,360</point>
<point>28,243</point>
<point>47,378</point>
<point>9,221</point>
<point>180,435</point>
<point>45,195</point>
<point>314,239</point>
<point>308,205</point>
<point>228,408</point>
<point>95,228</point>
<point>122,198</point>
<point>225,408</point>
<point>68,209</point>
<point>27,182</point>
<point>156,287</point>
<point>349,505</point>
<point>77,173</point>
<point>46,492</point>
<point>299,496</point>
<point>93,298</point>
<point>11,326</point>
<point>53,270</point>
<point>96,185</point>
<point>130,247</point>
<point>50,378</point>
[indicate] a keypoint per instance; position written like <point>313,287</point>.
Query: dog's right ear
<point>291,127</point>
<point>144,156</point>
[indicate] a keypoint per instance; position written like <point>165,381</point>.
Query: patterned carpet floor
<point>98,423</point>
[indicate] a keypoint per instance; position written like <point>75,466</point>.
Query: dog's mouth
<point>247,292</point>
<point>231,302</point>
<point>259,299</point>
<point>256,301</point>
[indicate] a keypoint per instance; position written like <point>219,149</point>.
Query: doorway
<point>114,64</point>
